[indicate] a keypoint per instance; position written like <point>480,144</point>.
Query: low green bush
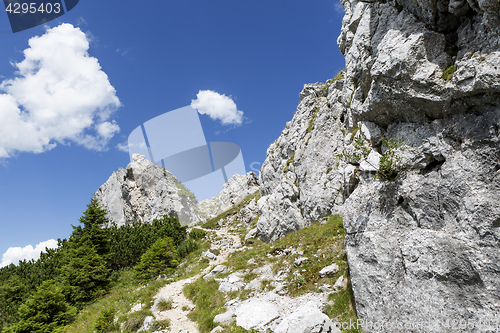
<point>161,258</point>
<point>197,234</point>
<point>186,247</point>
<point>105,321</point>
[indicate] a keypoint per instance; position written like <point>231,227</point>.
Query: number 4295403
<point>33,8</point>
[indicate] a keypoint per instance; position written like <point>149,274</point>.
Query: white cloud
<point>217,106</point>
<point>59,95</point>
<point>14,254</point>
<point>122,146</point>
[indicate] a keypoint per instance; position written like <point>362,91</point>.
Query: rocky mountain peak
<point>145,191</point>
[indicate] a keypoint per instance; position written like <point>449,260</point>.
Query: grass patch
<point>123,293</point>
<point>355,131</point>
<point>164,305</point>
<point>266,284</point>
<point>328,169</point>
<point>161,324</point>
<point>192,264</point>
<point>339,76</point>
<point>133,321</point>
<point>105,321</point>
<point>343,307</point>
<point>448,73</point>
<point>249,277</point>
<point>213,223</point>
<point>258,252</point>
<point>311,121</point>
<point>209,302</point>
<point>322,244</point>
<point>233,328</point>
<point>289,161</point>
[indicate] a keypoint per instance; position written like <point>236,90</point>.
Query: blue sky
<point>157,55</point>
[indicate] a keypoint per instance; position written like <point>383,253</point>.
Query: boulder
<point>307,318</point>
<point>225,318</point>
<point>136,307</point>
<point>217,270</point>
<point>217,329</point>
<point>339,284</point>
<point>329,270</point>
<point>147,325</point>
<point>209,255</point>
<point>248,213</point>
<point>251,234</point>
<point>255,313</point>
<point>300,261</point>
<point>231,283</point>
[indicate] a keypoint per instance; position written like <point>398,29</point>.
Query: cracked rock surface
<point>425,246</point>
<point>145,191</point>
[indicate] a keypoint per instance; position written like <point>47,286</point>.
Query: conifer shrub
<point>85,276</point>
<point>197,234</point>
<point>46,311</point>
<point>161,258</point>
<point>129,242</point>
<point>105,322</point>
<point>186,247</point>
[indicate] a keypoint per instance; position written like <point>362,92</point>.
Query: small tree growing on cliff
<point>389,157</point>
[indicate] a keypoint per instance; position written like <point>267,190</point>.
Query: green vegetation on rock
<point>448,73</point>
<point>213,223</point>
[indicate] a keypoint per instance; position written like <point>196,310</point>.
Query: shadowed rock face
<point>144,191</point>
<point>425,247</point>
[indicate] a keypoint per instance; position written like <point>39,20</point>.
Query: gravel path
<point>179,322</point>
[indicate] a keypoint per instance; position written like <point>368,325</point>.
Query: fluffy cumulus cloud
<point>14,254</point>
<point>217,106</point>
<point>58,95</point>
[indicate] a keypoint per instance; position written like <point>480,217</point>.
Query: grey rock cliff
<point>235,190</point>
<point>144,191</point>
<point>426,246</point>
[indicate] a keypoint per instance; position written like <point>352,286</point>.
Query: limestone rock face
<point>307,318</point>
<point>424,247</point>
<point>144,191</point>
<point>235,190</point>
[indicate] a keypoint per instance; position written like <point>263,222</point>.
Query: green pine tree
<point>93,232</point>
<point>160,258</point>
<point>46,311</point>
<point>85,275</point>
